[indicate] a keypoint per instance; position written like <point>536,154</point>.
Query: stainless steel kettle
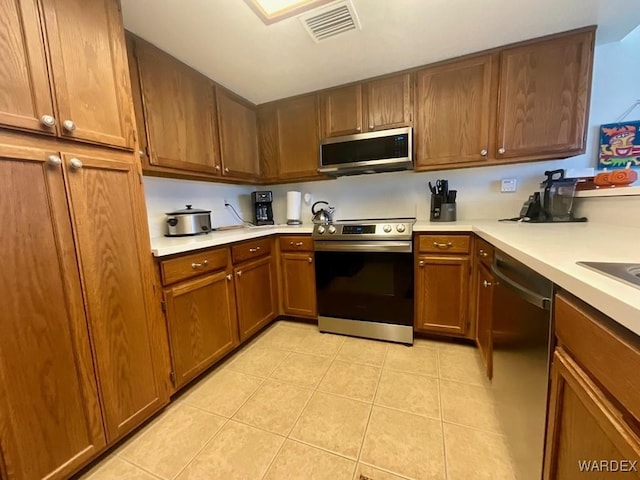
<point>322,215</point>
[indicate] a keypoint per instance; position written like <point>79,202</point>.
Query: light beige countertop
<point>162,246</point>
<point>550,249</point>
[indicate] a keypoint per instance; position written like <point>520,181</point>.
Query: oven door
<point>365,282</point>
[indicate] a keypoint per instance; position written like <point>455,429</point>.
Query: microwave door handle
<point>523,292</point>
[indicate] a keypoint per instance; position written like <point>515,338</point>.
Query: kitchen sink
<point>626,272</point>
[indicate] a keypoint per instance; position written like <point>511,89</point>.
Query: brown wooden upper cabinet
<point>238,136</point>
<point>454,108</point>
<point>179,113</point>
<point>341,111</point>
<point>87,80</point>
<point>528,102</point>
<point>289,138</point>
<point>544,97</point>
<point>388,102</point>
<point>375,105</point>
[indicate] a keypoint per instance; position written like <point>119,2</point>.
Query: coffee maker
<point>262,210</point>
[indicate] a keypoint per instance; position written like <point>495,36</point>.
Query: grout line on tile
<point>411,372</point>
<point>474,428</point>
<point>444,443</point>
<point>404,477</point>
<point>315,389</point>
<point>145,470</point>
<point>375,393</point>
<point>408,411</point>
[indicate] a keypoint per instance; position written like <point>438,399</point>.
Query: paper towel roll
<point>293,207</point>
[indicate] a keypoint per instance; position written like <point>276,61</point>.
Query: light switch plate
<point>509,185</point>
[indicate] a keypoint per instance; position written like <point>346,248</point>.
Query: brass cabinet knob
<point>229,277</point>
<point>68,125</point>
<point>75,163</point>
<point>48,121</point>
<point>484,152</point>
<point>54,160</point>
<point>310,260</point>
<point>421,263</point>
<point>501,150</point>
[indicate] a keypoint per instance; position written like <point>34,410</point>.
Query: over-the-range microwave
<point>373,152</point>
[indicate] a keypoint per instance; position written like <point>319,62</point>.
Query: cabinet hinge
<point>163,305</point>
<point>172,377</point>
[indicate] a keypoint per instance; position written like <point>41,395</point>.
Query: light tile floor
<point>298,404</point>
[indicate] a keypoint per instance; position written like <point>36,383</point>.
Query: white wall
<point>167,194</point>
<point>615,88</point>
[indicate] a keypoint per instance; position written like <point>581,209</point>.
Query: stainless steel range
<point>364,278</point>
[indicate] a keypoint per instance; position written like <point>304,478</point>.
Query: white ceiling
<point>226,41</point>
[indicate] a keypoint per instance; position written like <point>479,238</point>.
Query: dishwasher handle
<point>523,292</point>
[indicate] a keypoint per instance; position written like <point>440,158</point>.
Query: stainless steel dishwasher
<point>522,343</point>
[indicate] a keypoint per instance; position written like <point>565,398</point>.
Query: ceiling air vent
<point>327,22</point>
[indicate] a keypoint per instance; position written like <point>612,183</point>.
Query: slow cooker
<point>190,221</point>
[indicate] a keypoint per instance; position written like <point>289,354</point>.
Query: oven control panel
<point>380,230</point>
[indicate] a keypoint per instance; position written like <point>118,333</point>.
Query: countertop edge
<point>605,295</point>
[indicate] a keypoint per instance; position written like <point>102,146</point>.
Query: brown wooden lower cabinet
<point>442,294</point>
<point>50,417</point>
<point>586,430</point>
<point>298,284</point>
<point>484,316</point>
<point>201,316</point>
<point>594,406</point>
<point>80,358</point>
<point>256,294</point>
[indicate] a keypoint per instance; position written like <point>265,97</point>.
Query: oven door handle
<point>349,246</point>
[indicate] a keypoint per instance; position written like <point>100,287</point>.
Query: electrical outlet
<point>509,185</point>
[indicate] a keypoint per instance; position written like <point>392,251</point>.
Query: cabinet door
<point>442,294</point>
<point>584,426</point>
<point>179,112</point>
<point>50,420</point>
<point>453,113</point>
<point>544,98</point>
<point>238,137</point>
<point>342,111</point>
<point>484,313</point>
<point>89,70</point>
<point>107,206</point>
<point>201,315</point>
<point>255,295</point>
<point>388,103</point>
<point>25,97</point>
<point>299,284</point>
<point>298,137</point>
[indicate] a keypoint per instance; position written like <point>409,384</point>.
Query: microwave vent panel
<point>327,22</point>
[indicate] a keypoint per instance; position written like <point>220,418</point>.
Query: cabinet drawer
<point>484,252</point>
<point>605,349</point>
<point>443,243</point>
<point>297,243</point>
<point>251,249</point>
<point>194,264</point>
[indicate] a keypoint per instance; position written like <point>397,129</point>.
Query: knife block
<point>441,211</point>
